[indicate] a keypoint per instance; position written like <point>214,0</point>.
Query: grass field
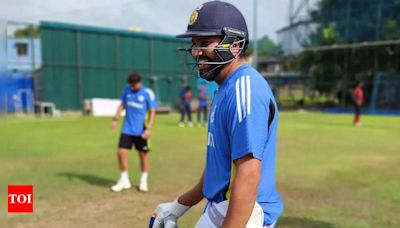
<point>330,174</point>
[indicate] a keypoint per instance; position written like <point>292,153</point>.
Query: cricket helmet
<point>217,18</point>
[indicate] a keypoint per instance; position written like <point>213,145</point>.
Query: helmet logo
<point>193,17</point>
<point>234,31</point>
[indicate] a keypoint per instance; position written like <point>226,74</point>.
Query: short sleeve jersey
<point>359,95</point>
<point>243,120</point>
<point>203,101</point>
<point>136,104</point>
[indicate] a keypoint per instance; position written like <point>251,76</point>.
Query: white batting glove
<point>167,214</point>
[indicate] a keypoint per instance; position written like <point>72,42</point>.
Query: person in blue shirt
<point>242,129</point>
<point>186,106</point>
<point>137,101</point>
<point>203,104</point>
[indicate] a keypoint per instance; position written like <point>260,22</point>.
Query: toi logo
<point>20,198</point>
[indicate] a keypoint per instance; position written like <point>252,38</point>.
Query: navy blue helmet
<point>217,18</point>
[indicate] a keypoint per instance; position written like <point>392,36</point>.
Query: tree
<point>266,47</point>
<point>346,22</point>
<point>30,31</point>
<point>353,21</point>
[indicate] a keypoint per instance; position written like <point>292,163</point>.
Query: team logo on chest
<point>141,98</point>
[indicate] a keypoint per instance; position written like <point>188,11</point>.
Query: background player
<point>358,98</point>
<point>203,104</point>
<point>136,100</point>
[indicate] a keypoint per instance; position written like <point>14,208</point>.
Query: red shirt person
<point>358,97</point>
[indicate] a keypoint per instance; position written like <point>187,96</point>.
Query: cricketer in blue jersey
<point>137,101</point>
<point>242,129</point>
<point>243,122</point>
<point>203,104</point>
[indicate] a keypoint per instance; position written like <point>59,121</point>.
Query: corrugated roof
<point>111,31</point>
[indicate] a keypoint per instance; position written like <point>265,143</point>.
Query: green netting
<point>386,92</point>
<point>82,62</point>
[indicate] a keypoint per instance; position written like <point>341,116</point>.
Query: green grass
<point>329,173</point>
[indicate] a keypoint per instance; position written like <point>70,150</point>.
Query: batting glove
<point>167,214</point>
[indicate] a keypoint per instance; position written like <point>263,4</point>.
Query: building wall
<point>3,45</point>
<point>292,39</point>
<point>83,62</point>
<point>27,61</point>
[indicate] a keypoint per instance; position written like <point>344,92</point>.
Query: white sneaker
<point>121,185</point>
<point>190,124</point>
<point>143,187</point>
<point>181,124</point>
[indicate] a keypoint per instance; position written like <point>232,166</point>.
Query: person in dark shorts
<point>186,109</point>
<point>137,101</point>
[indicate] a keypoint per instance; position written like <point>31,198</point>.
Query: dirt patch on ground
<point>103,208</point>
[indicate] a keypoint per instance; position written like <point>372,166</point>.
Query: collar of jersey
<point>232,76</point>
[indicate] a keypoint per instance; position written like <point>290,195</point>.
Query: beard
<point>204,68</point>
<point>209,71</point>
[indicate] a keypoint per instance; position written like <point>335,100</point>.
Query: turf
<point>330,174</point>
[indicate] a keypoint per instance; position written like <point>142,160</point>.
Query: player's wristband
<point>178,208</point>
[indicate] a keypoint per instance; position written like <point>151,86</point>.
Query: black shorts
<point>127,141</point>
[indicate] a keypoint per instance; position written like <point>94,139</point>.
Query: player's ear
<point>235,48</point>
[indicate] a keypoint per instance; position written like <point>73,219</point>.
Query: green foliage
<point>356,21</point>
<point>30,31</point>
<point>392,29</point>
<point>352,21</point>
<point>323,72</point>
<point>266,47</point>
<point>330,34</point>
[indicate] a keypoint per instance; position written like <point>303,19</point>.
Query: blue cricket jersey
<point>203,102</point>
<point>136,104</point>
<point>240,124</point>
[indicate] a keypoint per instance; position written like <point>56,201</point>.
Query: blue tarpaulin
<point>16,94</point>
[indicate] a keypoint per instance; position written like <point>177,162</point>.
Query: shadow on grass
<point>295,222</point>
<point>90,179</point>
